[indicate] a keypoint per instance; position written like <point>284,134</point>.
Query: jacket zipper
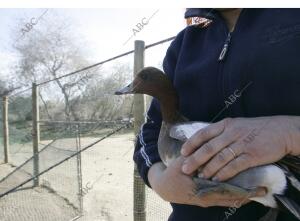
<point>225,47</point>
<point>222,57</point>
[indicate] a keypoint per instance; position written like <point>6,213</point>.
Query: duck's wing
<point>291,199</point>
<point>183,131</point>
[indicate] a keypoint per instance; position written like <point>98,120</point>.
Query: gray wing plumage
<point>172,137</point>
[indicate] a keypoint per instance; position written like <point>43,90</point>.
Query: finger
<point>202,136</point>
<point>206,152</point>
<point>240,202</point>
<point>209,201</point>
<point>221,159</point>
<point>233,203</point>
<point>226,203</point>
<point>234,167</point>
<point>258,192</point>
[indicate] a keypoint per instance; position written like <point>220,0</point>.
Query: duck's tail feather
<point>291,168</point>
<point>291,198</point>
<point>292,162</point>
<point>288,204</point>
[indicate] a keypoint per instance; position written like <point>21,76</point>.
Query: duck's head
<point>156,83</point>
<point>151,81</point>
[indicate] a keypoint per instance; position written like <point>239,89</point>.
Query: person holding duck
<point>246,154</point>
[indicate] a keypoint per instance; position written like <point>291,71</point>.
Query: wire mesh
<point>20,128</point>
<point>107,177</point>
<point>57,197</point>
<point>61,142</point>
<point>108,174</point>
<point>59,188</point>
<point>1,134</point>
<point>156,208</point>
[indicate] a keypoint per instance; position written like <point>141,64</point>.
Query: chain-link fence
<point>20,127</point>
<point>26,192</point>
<point>73,173</point>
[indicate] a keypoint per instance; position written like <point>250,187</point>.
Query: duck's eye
<point>144,76</point>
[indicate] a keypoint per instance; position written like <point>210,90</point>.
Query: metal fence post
<point>79,170</point>
<point>5,129</point>
<point>139,204</point>
<point>35,132</point>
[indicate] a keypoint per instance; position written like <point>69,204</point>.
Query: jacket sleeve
<point>146,151</point>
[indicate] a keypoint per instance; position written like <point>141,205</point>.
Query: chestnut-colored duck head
<point>154,82</point>
<point>151,81</point>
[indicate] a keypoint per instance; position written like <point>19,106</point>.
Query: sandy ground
<point>108,170</point>
<point>107,180</point>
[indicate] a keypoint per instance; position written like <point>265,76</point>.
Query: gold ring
<point>233,153</point>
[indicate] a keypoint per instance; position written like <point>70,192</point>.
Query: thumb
<point>258,192</point>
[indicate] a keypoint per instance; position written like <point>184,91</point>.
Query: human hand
<point>232,145</point>
<point>173,186</point>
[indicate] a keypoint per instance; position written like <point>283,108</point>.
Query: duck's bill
<point>126,90</point>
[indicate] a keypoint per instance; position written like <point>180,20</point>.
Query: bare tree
<point>48,53</point>
<point>98,100</point>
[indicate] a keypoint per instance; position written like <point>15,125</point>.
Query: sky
<point>106,32</point>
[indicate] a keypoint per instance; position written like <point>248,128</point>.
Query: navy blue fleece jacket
<point>262,59</point>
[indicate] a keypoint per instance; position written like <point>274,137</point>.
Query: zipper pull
<point>225,47</point>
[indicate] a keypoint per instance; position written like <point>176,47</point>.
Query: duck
<point>280,179</point>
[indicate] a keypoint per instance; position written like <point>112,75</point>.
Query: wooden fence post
<point>35,132</point>
<point>5,129</point>
<point>139,204</point>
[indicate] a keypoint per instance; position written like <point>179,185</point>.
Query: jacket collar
<point>208,13</point>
